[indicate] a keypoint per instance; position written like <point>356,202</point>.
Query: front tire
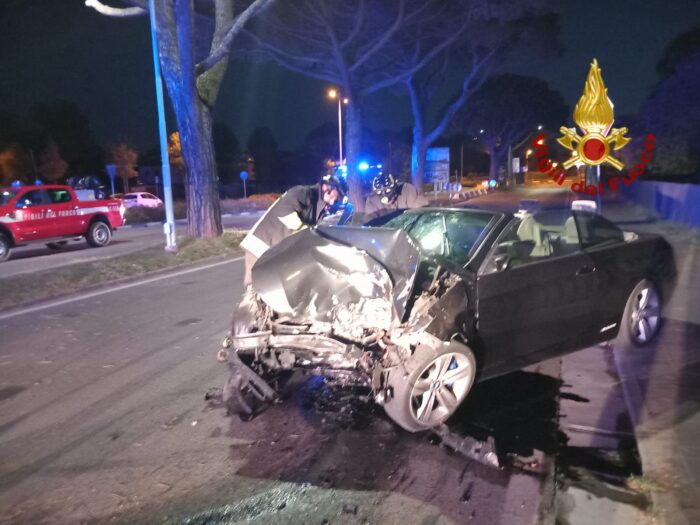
<point>437,381</point>
<point>99,234</point>
<point>5,247</point>
<point>641,319</point>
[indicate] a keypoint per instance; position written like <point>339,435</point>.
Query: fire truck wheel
<point>99,234</point>
<point>4,247</point>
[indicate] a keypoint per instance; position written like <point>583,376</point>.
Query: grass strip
<point>45,284</point>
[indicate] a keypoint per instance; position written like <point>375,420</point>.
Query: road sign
<point>437,165</point>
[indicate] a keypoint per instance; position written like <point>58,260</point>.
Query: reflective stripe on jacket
<point>298,207</point>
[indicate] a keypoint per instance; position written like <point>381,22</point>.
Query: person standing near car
<point>388,196</point>
<point>298,208</point>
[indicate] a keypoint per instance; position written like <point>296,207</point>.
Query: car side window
<point>57,196</point>
<point>31,198</point>
<point>531,238</point>
<point>597,231</point>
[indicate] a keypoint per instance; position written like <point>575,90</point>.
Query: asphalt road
<point>37,257</point>
<point>103,417</point>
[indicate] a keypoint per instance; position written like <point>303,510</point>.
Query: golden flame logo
<point>594,115</point>
<point>594,112</point>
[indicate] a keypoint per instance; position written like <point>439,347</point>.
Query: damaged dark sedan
<point>419,308</point>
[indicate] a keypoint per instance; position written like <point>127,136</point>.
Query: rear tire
<point>437,382</point>
<point>99,234</point>
<point>5,247</point>
<point>641,319</point>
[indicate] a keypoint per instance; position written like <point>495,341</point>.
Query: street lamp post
<point>169,226</point>
<point>335,94</point>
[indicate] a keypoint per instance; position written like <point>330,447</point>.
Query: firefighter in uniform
<point>388,196</point>
<point>297,208</point>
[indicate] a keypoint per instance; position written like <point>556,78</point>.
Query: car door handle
<point>586,270</point>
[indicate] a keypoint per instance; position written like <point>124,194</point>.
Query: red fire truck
<point>53,213</point>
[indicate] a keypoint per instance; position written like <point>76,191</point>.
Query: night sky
<point>61,49</point>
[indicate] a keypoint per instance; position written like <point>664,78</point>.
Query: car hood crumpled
<point>351,277</point>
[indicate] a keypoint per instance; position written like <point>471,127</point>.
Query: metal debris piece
<point>482,451</point>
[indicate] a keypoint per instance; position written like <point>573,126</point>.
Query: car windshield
<point>451,234</point>
<point>6,196</point>
<point>129,197</point>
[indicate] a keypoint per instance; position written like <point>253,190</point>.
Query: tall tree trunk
<point>353,149</point>
<point>420,145</point>
<point>203,207</point>
<point>194,123</point>
<point>418,151</point>
<point>495,157</point>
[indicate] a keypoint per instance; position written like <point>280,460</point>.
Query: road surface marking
<point>104,291</point>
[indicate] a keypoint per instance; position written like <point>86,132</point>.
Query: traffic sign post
<point>244,178</point>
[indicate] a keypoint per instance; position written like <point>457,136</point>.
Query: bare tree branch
<point>468,86</point>
<point>209,82</point>
<point>236,26</point>
<point>435,51</point>
<point>386,37</point>
<point>359,21</point>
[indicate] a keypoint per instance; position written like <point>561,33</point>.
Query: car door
<point>619,267</point>
<point>31,213</point>
<point>535,292</point>
<point>63,212</point>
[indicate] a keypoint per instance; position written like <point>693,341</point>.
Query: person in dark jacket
<point>388,196</point>
<point>297,208</point>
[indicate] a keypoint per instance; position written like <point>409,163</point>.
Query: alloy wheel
<point>645,314</point>
<point>441,387</point>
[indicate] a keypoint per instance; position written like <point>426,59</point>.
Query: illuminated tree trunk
<point>203,208</point>
<point>353,150</point>
<point>418,152</point>
<point>193,117</point>
<point>193,89</point>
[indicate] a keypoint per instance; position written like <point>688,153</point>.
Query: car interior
<point>551,233</point>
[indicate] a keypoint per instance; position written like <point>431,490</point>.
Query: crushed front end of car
<point>359,305</point>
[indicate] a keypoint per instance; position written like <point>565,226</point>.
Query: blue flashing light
<point>492,183</point>
<point>16,184</point>
<point>379,166</point>
<point>363,166</point>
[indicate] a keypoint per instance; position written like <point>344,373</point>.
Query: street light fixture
<point>335,94</point>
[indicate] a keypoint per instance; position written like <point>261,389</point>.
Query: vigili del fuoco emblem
<point>594,115</point>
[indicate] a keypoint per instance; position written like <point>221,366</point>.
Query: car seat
<point>530,230</point>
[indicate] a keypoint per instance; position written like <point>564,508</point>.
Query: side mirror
<point>502,261</point>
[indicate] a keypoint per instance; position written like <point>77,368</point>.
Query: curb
<point>184,221</point>
<point>470,194</point>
